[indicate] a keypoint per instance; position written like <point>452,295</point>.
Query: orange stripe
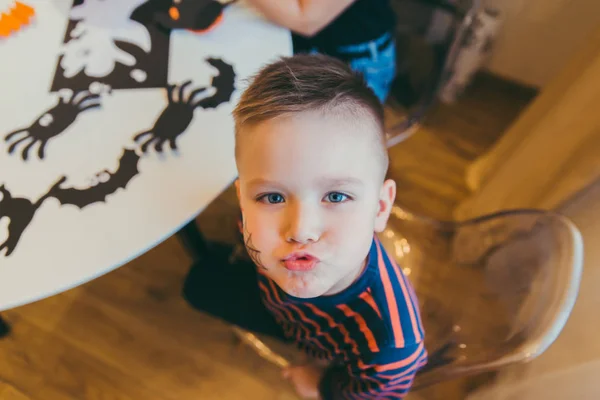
<point>402,376</point>
<point>332,324</point>
<point>411,311</point>
<point>292,330</point>
<point>396,378</point>
<point>403,385</point>
<point>384,390</point>
<point>381,389</point>
<point>371,379</point>
<point>368,298</point>
<point>393,384</point>
<point>269,303</point>
<point>307,335</point>
<point>287,329</point>
<point>415,300</point>
<point>290,319</point>
<point>393,379</point>
<point>362,325</point>
<point>318,330</point>
<point>401,363</point>
<point>391,299</point>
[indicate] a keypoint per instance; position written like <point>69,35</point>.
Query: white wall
<point>539,36</point>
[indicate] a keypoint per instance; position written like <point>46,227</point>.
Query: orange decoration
<point>15,19</point>
<point>174,13</point>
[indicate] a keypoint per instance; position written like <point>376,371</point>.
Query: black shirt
<point>363,21</point>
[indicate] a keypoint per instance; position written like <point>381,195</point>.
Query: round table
<point>114,133</point>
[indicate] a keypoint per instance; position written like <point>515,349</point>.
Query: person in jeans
<point>358,32</point>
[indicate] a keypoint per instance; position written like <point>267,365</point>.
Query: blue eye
<point>336,197</point>
<point>272,198</point>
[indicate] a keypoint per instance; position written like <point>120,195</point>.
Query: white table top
<point>69,234</point>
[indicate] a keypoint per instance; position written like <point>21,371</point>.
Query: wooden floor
<point>130,336</point>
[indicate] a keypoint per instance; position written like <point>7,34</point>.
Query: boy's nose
<point>303,225</point>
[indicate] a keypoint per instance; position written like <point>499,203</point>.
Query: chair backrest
<point>492,291</point>
<point>427,68</point>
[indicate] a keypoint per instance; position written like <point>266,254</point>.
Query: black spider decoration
<point>173,120</point>
<point>178,114</point>
<point>51,123</point>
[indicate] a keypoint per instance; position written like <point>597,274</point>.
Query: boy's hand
<point>306,379</point>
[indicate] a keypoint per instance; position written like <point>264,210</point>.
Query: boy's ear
<point>386,202</point>
<point>237,188</point>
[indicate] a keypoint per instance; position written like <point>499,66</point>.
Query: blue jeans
<point>378,68</point>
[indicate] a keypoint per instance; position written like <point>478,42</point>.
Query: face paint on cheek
<point>253,252</point>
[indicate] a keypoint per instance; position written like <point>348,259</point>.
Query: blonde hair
<point>304,83</point>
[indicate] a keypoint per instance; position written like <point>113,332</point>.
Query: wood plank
<point>9,392</point>
<point>135,320</point>
<point>51,369</point>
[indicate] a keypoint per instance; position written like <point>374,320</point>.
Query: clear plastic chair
<point>424,71</point>
<point>493,291</point>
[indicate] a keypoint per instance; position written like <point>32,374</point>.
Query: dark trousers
<point>229,292</point>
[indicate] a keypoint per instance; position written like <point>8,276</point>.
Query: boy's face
<point>312,196</point>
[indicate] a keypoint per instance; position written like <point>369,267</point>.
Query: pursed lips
<point>300,261</point>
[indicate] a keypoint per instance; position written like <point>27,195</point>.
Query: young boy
<point>312,162</point>
<point>359,32</point>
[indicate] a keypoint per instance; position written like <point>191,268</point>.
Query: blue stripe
<point>402,302</point>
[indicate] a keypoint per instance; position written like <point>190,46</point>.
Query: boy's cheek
<point>260,229</point>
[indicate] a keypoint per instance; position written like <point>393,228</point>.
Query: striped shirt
<point>371,331</point>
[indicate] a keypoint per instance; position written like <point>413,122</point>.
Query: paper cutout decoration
<point>199,16</point>
<point>92,47</point>
<point>104,184</point>
<point>173,120</point>
<point>14,18</point>
<point>137,56</point>
<point>51,123</point>
<point>116,43</point>
<point>20,211</point>
<point>179,112</point>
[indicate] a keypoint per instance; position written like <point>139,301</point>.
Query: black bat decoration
<point>20,211</point>
<point>127,170</point>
